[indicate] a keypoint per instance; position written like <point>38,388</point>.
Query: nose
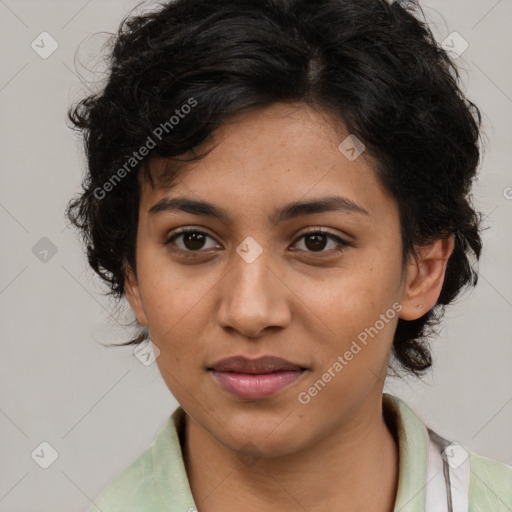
<point>253,298</point>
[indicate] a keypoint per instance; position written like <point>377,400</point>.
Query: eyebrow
<point>286,212</point>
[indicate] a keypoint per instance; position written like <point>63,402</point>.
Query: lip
<point>254,379</point>
<point>262,364</point>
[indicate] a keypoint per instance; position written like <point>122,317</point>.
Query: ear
<point>424,277</point>
<point>132,291</point>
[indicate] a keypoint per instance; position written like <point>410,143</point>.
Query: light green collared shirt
<point>157,480</point>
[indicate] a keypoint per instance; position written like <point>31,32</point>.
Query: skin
<point>304,305</point>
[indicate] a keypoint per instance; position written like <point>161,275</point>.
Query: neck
<point>354,468</point>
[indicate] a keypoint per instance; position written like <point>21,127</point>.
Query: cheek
<point>360,291</point>
<point>178,306</point>
<point>358,305</point>
<point>171,292</point>
<point>359,316</point>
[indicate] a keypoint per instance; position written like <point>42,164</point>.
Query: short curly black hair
<point>374,65</point>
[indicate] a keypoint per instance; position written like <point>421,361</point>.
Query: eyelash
<point>317,231</point>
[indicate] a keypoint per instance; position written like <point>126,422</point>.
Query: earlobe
<point>424,277</point>
<point>133,296</point>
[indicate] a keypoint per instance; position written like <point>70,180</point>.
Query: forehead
<point>276,154</point>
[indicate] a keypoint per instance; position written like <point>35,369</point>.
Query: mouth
<point>255,379</point>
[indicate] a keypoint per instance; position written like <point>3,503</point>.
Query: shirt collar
<point>412,452</point>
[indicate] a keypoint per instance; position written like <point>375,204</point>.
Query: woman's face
<point>257,284</point>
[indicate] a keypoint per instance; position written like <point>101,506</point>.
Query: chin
<point>260,433</point>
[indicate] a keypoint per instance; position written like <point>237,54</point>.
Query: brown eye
<point>191,240</point>
<point>317,241</point>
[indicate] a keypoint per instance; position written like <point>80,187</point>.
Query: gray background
<point>100,408</point>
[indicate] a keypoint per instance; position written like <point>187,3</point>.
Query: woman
<point>281,190</point>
